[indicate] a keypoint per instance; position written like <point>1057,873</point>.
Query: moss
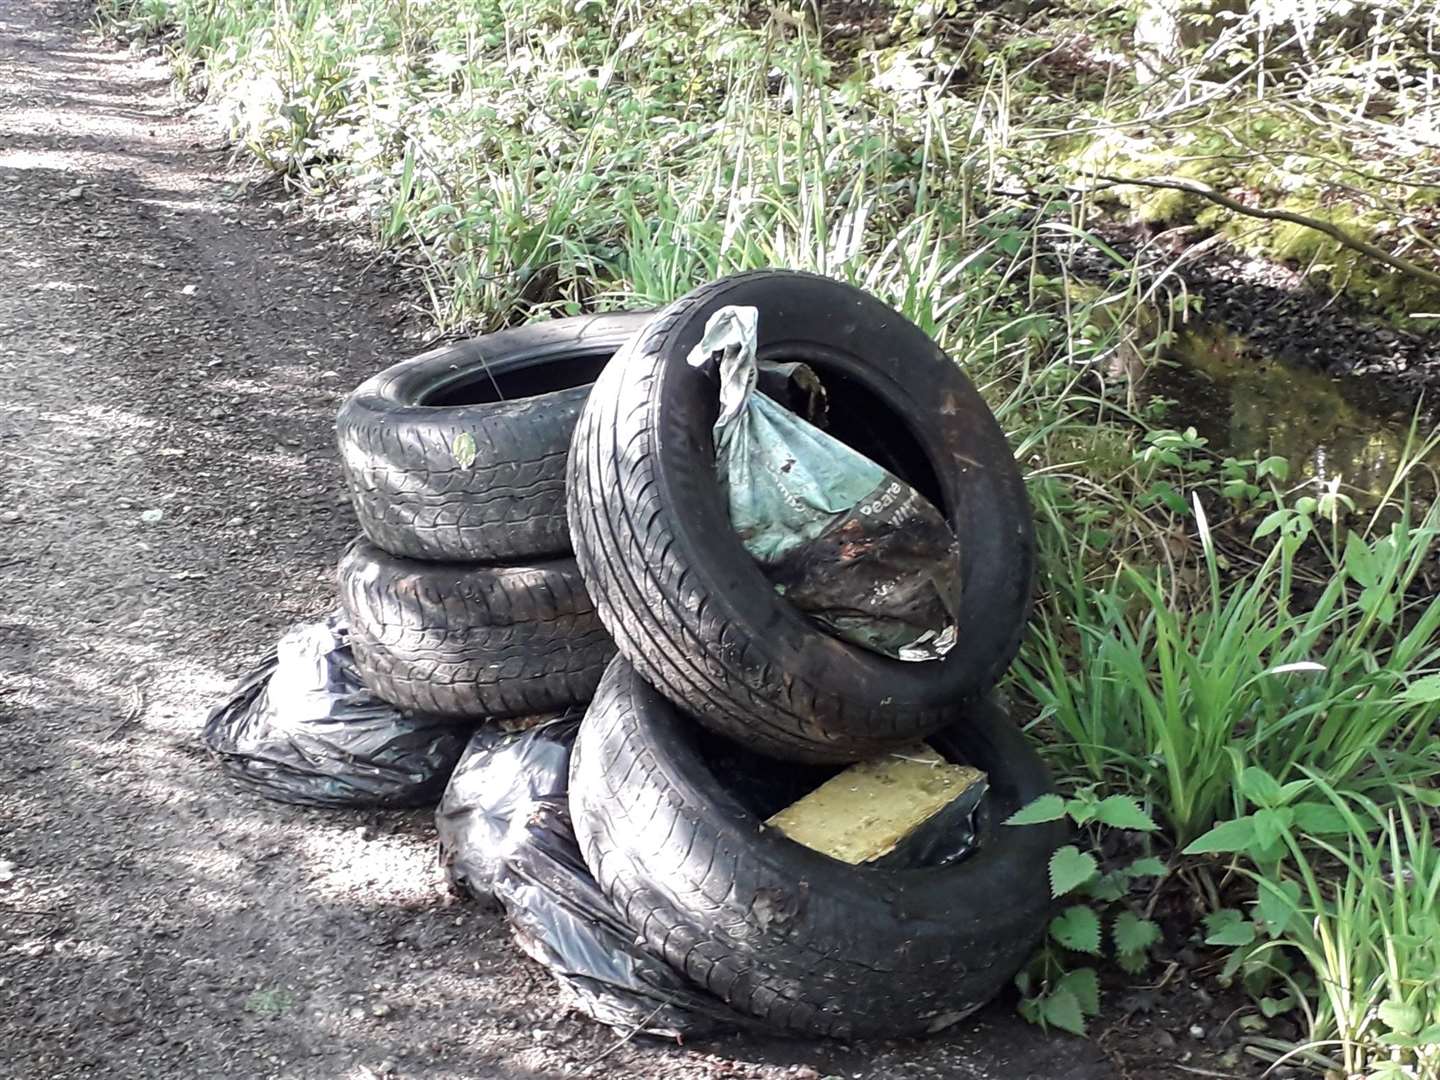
<point>1339,267</point>
<point>1284,184</point>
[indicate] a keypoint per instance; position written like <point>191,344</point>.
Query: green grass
<point>1344,920</point>
<point>1169,695</point>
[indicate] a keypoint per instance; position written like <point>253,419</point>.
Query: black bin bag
<point>506,839</point>
<point>302,728</point>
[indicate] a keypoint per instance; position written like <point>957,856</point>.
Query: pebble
<point>380,1009</point>
<point>10,517</point>
<point>1196,1031</point>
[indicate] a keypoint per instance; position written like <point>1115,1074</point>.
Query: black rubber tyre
<point>517,394</point>
<point>686,603</point>
<point>463,640</point>
<point>801,941</point>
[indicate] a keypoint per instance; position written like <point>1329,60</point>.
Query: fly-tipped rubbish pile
<point>717,595</point>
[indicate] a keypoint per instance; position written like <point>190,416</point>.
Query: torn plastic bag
<point>506,838</point>
<point>853,546</point>
<point>302,728</point>
<point>948,837</point>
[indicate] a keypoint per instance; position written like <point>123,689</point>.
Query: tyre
<point>461,640</point>
<point>801,941</point>
<point>516,395</point>
<point>686,603</point>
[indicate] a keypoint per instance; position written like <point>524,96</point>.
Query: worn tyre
<point>801,941</point>
<point>686,603</point>
<point>463,640</point>
<point>512,397</point>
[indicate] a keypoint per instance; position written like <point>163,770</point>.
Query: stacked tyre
<point>533,542</point>
<point>791,937</point>
<point>463,597</point>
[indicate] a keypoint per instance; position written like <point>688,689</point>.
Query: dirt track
<point>169,343</point>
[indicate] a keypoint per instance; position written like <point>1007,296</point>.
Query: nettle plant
<point>1058,987</point>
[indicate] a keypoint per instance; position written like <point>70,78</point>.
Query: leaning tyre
<point>802,941</point>
<point>685,601</point>
<point>459,454</point>
<point>463,640</point>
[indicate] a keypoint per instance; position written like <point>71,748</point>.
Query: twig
<point>618,1043</point>
<point>1203,1072</point>
<point>1166,976</point>
<point>1354,243</point>
<point>137,706</point>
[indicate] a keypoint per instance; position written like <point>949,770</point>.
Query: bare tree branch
<point>1354,243</point>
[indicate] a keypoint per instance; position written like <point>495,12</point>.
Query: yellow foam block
<point>864,812</point>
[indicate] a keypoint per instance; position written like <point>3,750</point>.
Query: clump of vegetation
<point>1225,667</point>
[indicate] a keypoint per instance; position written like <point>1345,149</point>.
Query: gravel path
<point>169,344</point>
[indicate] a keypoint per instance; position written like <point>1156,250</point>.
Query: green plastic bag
<point>845,541</point>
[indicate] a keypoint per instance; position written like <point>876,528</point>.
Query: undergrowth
<point>1215,649</point>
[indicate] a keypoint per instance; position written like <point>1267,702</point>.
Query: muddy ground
<point>172,343</point>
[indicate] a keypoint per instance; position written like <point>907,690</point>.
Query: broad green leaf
<point>1228,927</point>
<point>1133,962</point>
<point>1108,887</point>
<point>1045,808</point>
<point>1401,1018</point>
<point>1274,1006</point>
<point>1359,561</point>
<point>1226,837</point>
<point>1085,985</point>
<point>1077,928</point>
<point>1123,812</point>
<point>1134,934</point>
<point>1149,866</point>
<point>1275,466</point>
<point>1271,522</point>
<point>1295,787</point>
<point>1081,809</point>
<point>1319,819</point>
<point>1277,904</point>
<point>1424,691</point>
<point>1163,492</point>
<point>1070,868</point>
<point>1378,602</point>
<point>1233,964</point>
<point>1062,1010</point>
<point>1260,787</point>
<point>463,447</point>
<point>1271,826</point>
